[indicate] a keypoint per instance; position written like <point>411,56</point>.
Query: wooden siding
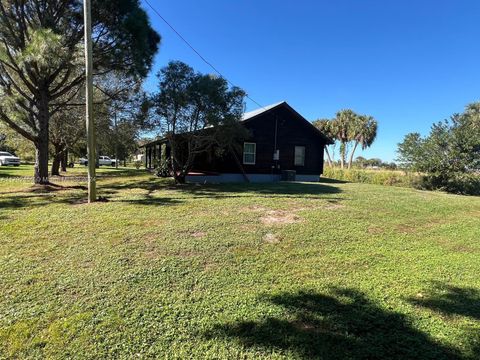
<point>289,128</point>
<point>292,131</point>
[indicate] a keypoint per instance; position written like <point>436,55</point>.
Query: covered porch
<point>156,151</point>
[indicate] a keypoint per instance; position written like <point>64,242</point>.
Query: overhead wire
<point>197,52</point>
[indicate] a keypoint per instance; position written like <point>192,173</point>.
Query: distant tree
<point>360,161</point>
<point>391,166</point>
<point>41,59</point>
<point>363,133</point>
<point>198,112</point>
<point>123,116</point>
<point>3,144</point>
<point>67,127</point>
<point>374,162</point>
<point>15,143</point>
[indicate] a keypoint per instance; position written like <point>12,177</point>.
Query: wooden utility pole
<point>91,146</point>
<point>116,137</point>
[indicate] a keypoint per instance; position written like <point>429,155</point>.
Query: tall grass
<point>377,177</point>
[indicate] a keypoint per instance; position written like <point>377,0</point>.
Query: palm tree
<point>364,132</point>
<point>342,128</point>
<point>326,126</point>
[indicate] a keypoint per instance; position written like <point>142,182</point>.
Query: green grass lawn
<point>289,270</point>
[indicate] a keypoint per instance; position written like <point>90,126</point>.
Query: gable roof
<point>253,114</point>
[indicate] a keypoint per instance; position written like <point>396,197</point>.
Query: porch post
<point>150,158</point>
<point>146,157</point>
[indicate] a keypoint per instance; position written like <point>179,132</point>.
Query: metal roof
<point>251,114</point>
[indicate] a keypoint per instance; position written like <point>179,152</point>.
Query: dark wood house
<point>281,144</point>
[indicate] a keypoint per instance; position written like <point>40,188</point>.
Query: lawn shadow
<point>41,195</point>
<point>342,325</point>
<point>223,191</point>
<point>326,180</point>
<point>451,300</point>
<point>152,200</point>
<point>171,193</point>
<point>278,189</point>
<point>22,200</point>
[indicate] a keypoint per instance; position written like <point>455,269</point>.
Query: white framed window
<point>299,155</point>
<point>249,153</point>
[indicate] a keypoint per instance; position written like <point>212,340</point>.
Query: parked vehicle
<point>102,161</point>
<point>8,159</point>
<point>83,161</point>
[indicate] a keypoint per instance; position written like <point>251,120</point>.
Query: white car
<point>8,159</point>
<point>102,160</point>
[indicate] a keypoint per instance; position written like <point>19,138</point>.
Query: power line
<point>197,52</point>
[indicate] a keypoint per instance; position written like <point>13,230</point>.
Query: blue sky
<point>407,63</point>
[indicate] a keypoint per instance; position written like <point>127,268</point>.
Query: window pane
<point>299,155</point>
<point>249,148</point>
<point>249,158</point>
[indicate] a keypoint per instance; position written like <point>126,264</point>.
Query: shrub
<point>162,169</point>
<point>457,183</point>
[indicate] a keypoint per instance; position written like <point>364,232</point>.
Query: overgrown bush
<point>457,183</point>
<point>162,169</point>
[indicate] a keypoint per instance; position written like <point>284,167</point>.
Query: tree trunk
<point>116,140</point>
<point>180,178</point>
<point>351,155</point>
<point>57,159</point>
<point>342,155</point>
<point>239,164</point>
<point>41,143</point>
<point>329,159</point>
<point>41,162</point>
<point>64,160</point>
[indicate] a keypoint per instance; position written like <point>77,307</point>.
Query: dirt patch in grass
<point>427,225</point>
<point>375,230</point>
<point>198,234</point>
<point>463,249</point>
<point>271,238</point>
<point>280,217</point>
<point>333,206</point>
